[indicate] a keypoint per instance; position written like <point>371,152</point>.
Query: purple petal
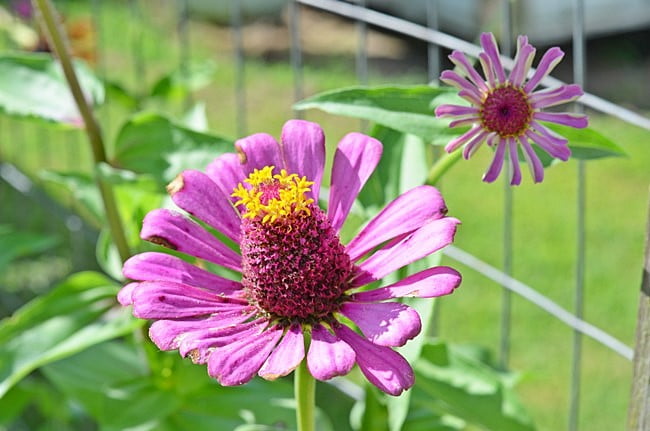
<point>489,44</point>
<point>488,69</point>
<point>455,111</point>
<point>405,214</point>
<point>579,121</point>
<point>199,344</point>
<point>257,151</point>
<point>430,283</point>
<point>514,162</point>
<point>459,59</point>
<point>328,356</point>
<point>287,355</point>
<point>534,164</point>
<point>555,96</point>
<point>463,139</point>
<point>474,144</point>
<point>152,266</point>
<point>174,231</point>
<point>167,334</point>
<point>497,162</point>
<point>455,80</point>
<point>549,60</point>
<point>303,150</point>
<point>226,172</point>
<point>166,300</point>
<point>464,122</point>
<point>523,61</point>
<point>197,194</point>
<point>382,366</point>
<point>355,159</point>
<point>125,295</point>
<point>555,149</point>
<point>384,323</point>
<point>428,239</point>
<point>470,97</point>
<point>237,363</point>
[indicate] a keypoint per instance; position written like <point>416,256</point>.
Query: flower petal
<point>237,363</point>
<point>488,69</point>
<point>455,80</point>
<point>513,156</point>
<point>197,194</point>
<point>226,172</point>
<point>463,139</point>
<point>553,148</point>
<point>432,282</point>
<point>173,230</point>
<point>287,355</point>
<point>549,60</point>
<point>459,59</point>
<point>579,121</point>
<point>555,96</point>
<point>497,162</point>
<point>124,296</point>
<point>455,111</point>
<point>355,159</point>
<point>534,164</point>
<point>523,61</point>
<point>167,334</point>
<point>489,44</point>
<point>166,300</point>
<point>475,143</point>
<point>384,323</point>
<point>303,150</point>
<point>152,266</point>
<point>328,356</point>
<point>432,236</point>
<point>382,366</point>
<point>200,343</point>
<point>257,151</point>
<point>404,214</point>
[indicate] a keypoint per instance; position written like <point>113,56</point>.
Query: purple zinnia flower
<point>296,276</point>
<point>506,111</point>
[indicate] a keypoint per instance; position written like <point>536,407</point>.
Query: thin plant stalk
<point>59,44</point>
<point>441,166</point>
<point>305,394</point>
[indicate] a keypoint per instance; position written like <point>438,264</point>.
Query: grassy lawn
<point>544,220</point>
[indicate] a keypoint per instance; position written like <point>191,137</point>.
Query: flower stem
<point>305,393</point>
<point>58,43</point>
<point>441,166</point>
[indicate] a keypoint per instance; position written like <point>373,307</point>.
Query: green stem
<point>305,393</point>
<point>441,166</point>
<point>59,44</point>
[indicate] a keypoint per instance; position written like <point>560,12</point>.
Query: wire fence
<point>32,199</point>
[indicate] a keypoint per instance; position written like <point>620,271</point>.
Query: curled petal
<point>534,164</point>
<point>549,60</point>
<point>328,356</point>
<point>455,111</point>
<point>464,138</point>
<point>555,96</point>
<point>384,323</point>
<point>497,162</point>
<point>459,59</point>
<point>474,144</point>
<point>514,162</point>
<point>489,45</point>
<point>287,355</point>
<point>200,343</point>
<point>523,61</point>
<point>553,148</point>
<point>303,151</point>
<point>452,78</point>
<point>432,282</point>
<point>579,121</point>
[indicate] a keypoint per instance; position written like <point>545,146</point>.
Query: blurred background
<point>237,67</point>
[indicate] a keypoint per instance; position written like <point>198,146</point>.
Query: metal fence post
<point>639,410</point>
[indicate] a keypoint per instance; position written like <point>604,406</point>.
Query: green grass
<point>544,221</point>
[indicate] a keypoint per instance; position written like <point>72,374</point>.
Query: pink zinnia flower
<point>296,276</point>
<point>506,112</point>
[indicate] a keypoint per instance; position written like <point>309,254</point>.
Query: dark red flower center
<point>506,111</point>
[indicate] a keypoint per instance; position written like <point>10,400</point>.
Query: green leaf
<point>74,315</point>
<point>588,143</point>
<point>403,108</point>
<point>16,244</point>
<point>456,383</point>
<point>179,83</point>
<point>152,144</point>
<point>33,86</point>
<point>83,189</point>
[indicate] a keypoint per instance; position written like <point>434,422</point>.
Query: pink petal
<point>459,59</point>
<point>226,172</point>
<point>428,239</point>
<point>197,194</point>
<point>257,151</point>
<point>287,355</point>
<point>384,323</point>
<point>405,214</point>
<point>166,300</point>
<point>382,366</point>
<point>555,96</point>
<point>355,159</point>
<point>514,162</point>
<point>303,150</point>
<point>152,266</point>
<point>579,121</point>
<point>464,138</point>
<point>554,149</point>
<point>489,44</point>
<point>488,69</point>
<point>455,80</point>
<point>174,231</point>
<point>237,363</point>
<point>497,162</point>
<point>200,343</point>
<point>549,60</point>
<point>523,61</point>
<point>455,111</point>
<point>124,296</point>
<point>470,121</point>
<point>534,164</point>
<point>328,356</point>
<point>474,144</point>
<point>432,282</point>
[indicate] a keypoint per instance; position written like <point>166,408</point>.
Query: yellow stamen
<point>290,197</point>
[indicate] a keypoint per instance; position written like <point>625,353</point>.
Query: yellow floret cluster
<point>291,191</point>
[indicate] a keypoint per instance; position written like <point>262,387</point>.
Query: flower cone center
<point>506,111</point>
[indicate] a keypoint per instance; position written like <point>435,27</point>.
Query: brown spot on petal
<point>193,355</point>
<point>161,241</point>
<point>242,155</point>
<point>176,185</point>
